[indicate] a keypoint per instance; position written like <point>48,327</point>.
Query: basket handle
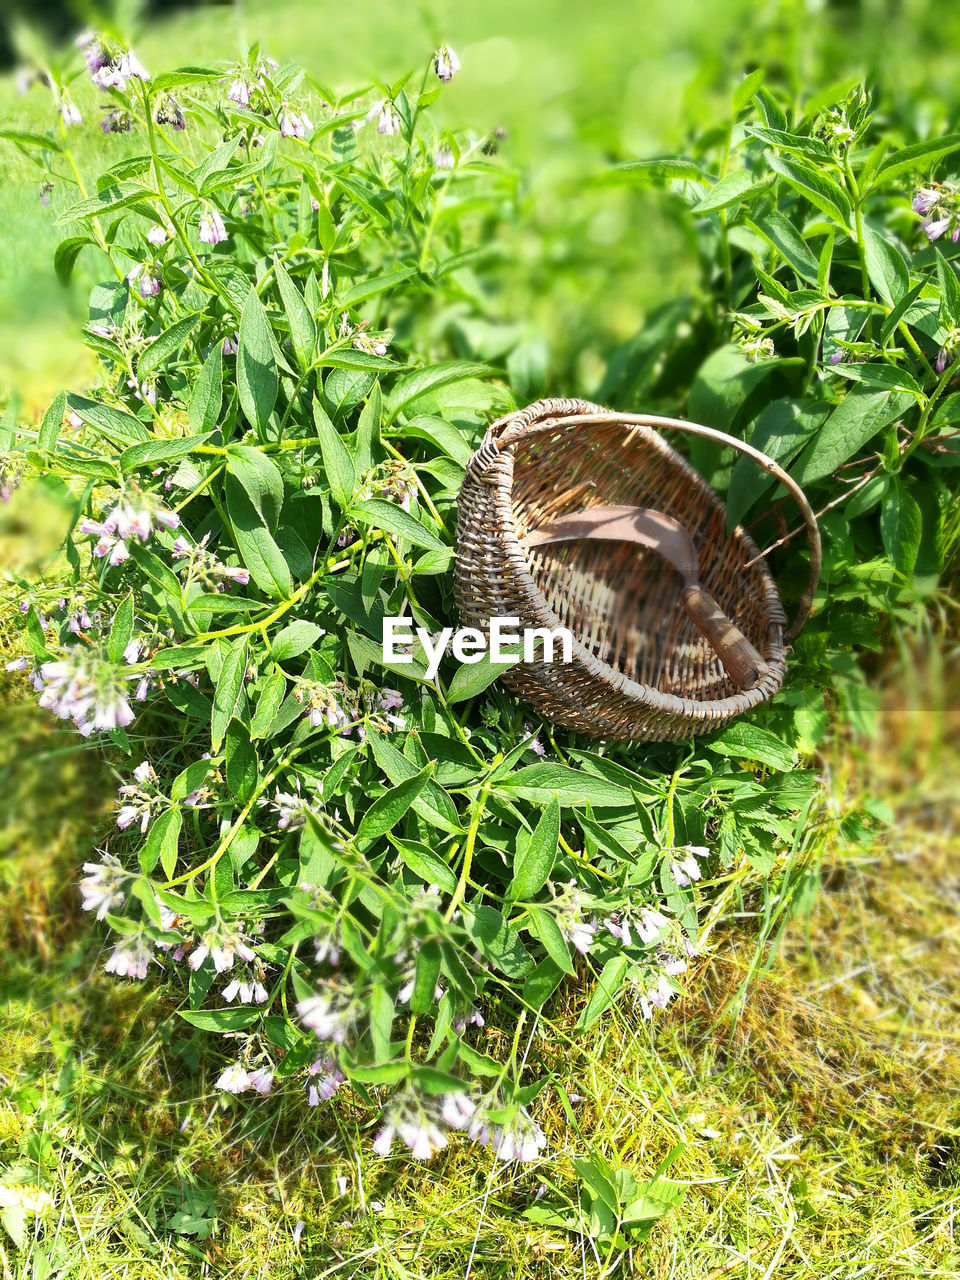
<point>545,415</point>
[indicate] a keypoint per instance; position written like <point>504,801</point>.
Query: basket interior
<point>620,600</point>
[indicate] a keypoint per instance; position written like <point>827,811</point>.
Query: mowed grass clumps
<point>810,1104</point>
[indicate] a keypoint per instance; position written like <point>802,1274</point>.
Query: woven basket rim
<point>611,679</point>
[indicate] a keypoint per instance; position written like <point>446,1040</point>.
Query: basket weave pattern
<point>641,669</point>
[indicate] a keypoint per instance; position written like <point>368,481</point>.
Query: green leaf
<point>733,189</point>
<point>375,284</point>
<point>391,518</point>
<point>118,196</point>
<point>24,138</point>
<point>531,869</point>
<point>822,192</point>
<point>121,631</point>
<point>382,1013</point>
<point>240,761</point>
<point>65,258</point>
<point>303,330</point>
<point>722,384</point>
<point>257,382</point>
<point>384,814</point>
<point>220,1019</point>
<point>884,376</point>
<point>541,984</point>
<point>605,992</point>
<point>427,972</point>
<point>433,804</point>
<point>647,173</point>
<point>858,418</point>
<point>408,389</point>
<point>546,930</point>
<point>367,445</point>
<point>184,76</point>
<point>228,697</point>
<point>110,422</point>
<point>268,704</point>
<point>885,266</point>
<point>257,547</point>
<point>541,782</point>
<point>748,742</point>
<point>261,478</point>
<point>472,678</point>
<point>52,422</point>
<point>162,347</point>
<point>294,639</point>
<point>795,144</point>
<point>496,940</point>
<point>426,864</point>
<point>901,528</point>
<point>203,411</point>
<point>337,463</point>
<point>920,155</point>
<point>152,451</point>
<point>162,843</point>
<point>949,293</point>
<point>782,429</point>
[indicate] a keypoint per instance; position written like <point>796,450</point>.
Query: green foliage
<point>267,470</point>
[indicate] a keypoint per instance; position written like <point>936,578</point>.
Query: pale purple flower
<point>651,923</point>
<point>619,926</point>
<point>388,122</point>
<point>230,346</point>
<point>935,227</point>
<point>129,959</point>
<point>235,1079</point>
<point>239,92</point>
<point>472,1017</point>
<point>445,63</point>
<point>211,228</point>
<point>329,1081</point>
<point>329,1015</point>
<point>261,1080</point>
<point>294,124</point>
<point>83,687</point>
<point>181,548</point>
<point>234,574</point>
<point>46,190</point>
<point>158,234</point>
<point>69,113</point>
<point>116,121</point>
<point>101,888</point>
<point>685,870</point>
<point>169,112</point>
<point>519,1139</point>
<point>924,199</point>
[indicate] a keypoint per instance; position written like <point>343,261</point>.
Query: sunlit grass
<point>816,1131</point>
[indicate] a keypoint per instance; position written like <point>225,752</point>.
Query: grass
<point>810,1099</point>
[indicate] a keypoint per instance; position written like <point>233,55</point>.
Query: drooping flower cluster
<point>386,116</point>
<point>210,228</point>
<point>293,124</point>
<point>569,906</point>
<point>11,473</point>
<point>169,112</point>
<point>138,515</point>
<point>520,1138</point>
<point>110,65</point>
<point>86,687</point>
<point>684,866</point>
<point>102,888</point>
<point>419,1119</point>
<point>938,206</point>
<point>330,1014</point>
<point>199,564</point>
<point>446,64</point>
<point>140,798</point>
<point>130,959</point>
<point>237,1079</point>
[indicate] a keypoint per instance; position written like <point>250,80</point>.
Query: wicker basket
<point>641,670</point>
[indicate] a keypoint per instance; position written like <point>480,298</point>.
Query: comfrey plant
<point>353,871</point>
<point>831,315</point>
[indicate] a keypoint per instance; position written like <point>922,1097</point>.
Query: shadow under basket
<point>641,669</point>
